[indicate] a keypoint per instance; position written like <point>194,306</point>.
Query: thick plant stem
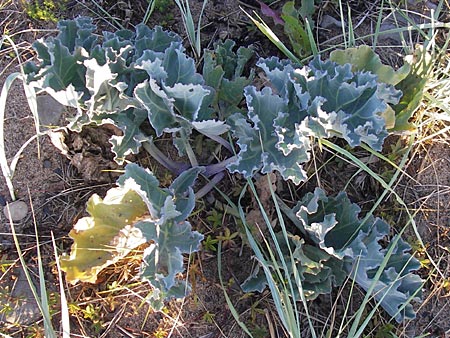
<point>211,184</point>
<point>215,168</point>
<point>178,167</point>
<point>175,167</point>
<point>221,141</point>
<point>188,149</point>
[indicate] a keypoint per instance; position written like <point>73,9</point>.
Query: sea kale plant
<point>144,83</point>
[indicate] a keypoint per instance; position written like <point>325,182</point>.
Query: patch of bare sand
<point>430,195</point>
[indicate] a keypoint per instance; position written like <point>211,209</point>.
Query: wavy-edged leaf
<point>413,87</point>
<point>187,99</point>
<point>60,57</point>
<point>163,260</point>
<point>155,39</point>
<point>320,100</point>
<point>363,58</point>
<point>147,185</point>
<point>167,228</point>
<point>211,127</point>
<point>336,244</point>
<point>158,105</point>
<point>107,92</point>
<point>129,121</point>
<point>138,211</point>
<point>261,145</point>
<point>106,236</point>
<point>318,271</point>
<point>116,80</point>
<point>180,68</point>
<point>333,223</point>
<point>223,70</point>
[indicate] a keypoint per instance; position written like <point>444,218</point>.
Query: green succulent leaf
<point>223,70</point>
<point>129,121</point>
<point>320,100</point>
<point>164,260</point>
<point>167,229</point>
<point>117,78</point>
<point>363,58</point>
<point>319,272</point>
<point>333,243</point>
<point>187,99</point>
<point>262,146</point>
<point>60,57</point>
<point>136,212</point>
<point>159,106</point>
<point>333,224</point>
<point>411,79</point>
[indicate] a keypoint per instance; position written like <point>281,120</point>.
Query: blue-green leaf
<point>333,223</point>
<point>167,228</point>
<point>262,144</point>
<point>187,99</point>
<point>138,211</point>
<point>158,105</point>
<point>320,100</point>
<point>223,70</point>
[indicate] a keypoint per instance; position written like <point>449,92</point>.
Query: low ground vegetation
<point>273,178</point>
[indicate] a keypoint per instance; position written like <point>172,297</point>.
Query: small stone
<point>329,22</point>
<point>18,210</point>
<point>25,310</point>
<point>47,164</point>
<point>49,111</point>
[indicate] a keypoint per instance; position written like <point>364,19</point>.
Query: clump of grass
<point>192,32</point>
<point>42,297</point>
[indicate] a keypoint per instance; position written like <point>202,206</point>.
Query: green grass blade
<point>189,25</point>
<point>378,25</point>
<point>48,328</point>
<point>345,323</point>
<point>8,171</point>
<point>30,94</point>
<point>351,33</point>
<point>341,13</point>
<point>17,156</point>
<point>388,188</point>
<point>49,332</point>
<point>265,29</point>
<point>149,11</point>
<point>312,41</point>
<point>105,15</point>
<point>297,279</point>
<point>283,296</point>
<point>65,318</point>
<point>358,328</point>
<point>199,28</point>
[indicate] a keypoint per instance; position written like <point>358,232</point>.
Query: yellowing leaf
<point>363,58</point>
<point>106,236</point>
